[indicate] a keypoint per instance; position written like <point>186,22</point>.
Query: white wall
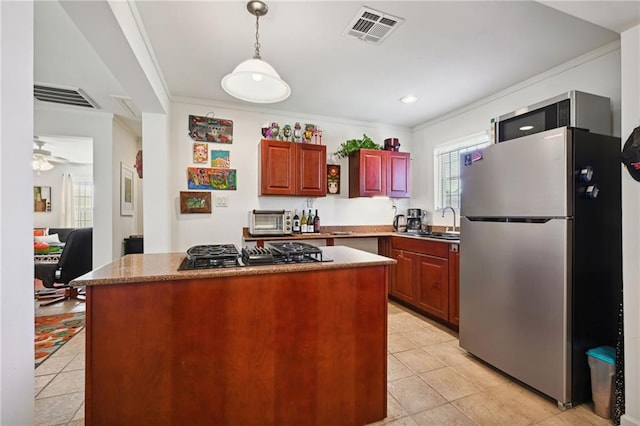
<point>125,147</point>
<point>597,72</point>
<point>630,41</point>
<point>112,143</point>
<point>16,213</point>
<point>53,179</point>
<point>225,224</point>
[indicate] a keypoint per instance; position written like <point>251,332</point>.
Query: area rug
<point>53,331</point>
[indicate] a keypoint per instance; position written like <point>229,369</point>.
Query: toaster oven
<point>270,222</point>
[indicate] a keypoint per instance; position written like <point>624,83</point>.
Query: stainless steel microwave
<point>270,222</point>
<point>570,109</point>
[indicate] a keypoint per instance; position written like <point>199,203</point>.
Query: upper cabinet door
<point>368,173</point>
<point>311,174</point>
<point>277,167</point>
<point>398,174</point>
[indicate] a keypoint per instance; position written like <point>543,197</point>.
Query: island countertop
<point>136,268</point>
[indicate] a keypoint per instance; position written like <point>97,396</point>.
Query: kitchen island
<point>278,344</point>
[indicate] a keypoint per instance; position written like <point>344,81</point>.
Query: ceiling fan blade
<point>58,160</point>
<point>45,154</point>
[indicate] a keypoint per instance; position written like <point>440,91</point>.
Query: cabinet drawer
<point>433,248</point>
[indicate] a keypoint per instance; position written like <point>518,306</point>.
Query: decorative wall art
<point>209,178</point>
<point>288,133</point>
<point>195,202</point>
<point>220,159</point>
<point>333,179</point>
<point>138,165</point>
<point>41,198</point>
<point>209,129</point>
<point>200,153</point>
<point>126,190</point>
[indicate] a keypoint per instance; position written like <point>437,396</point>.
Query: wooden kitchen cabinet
<point>432,280</point>
<point>426,277</point>
<point>402,280</point>
<point>379,173</point>
<point>398,174</point>
<point>288,168</point>
<point>454,284</point>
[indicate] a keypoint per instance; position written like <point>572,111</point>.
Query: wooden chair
<point>75,260</point>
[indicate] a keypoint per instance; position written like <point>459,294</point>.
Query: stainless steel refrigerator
<point>540,257</point>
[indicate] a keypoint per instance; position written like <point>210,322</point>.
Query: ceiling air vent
<point>372,26</point>
<point>63,95</point>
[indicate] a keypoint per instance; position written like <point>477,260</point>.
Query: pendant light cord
<point>257,44</point>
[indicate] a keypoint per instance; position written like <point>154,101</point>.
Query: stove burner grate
<point>210,256</point>
<point>213,251</point>
<point>292,252</point>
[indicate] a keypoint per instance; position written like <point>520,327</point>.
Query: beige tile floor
<point>431,381</point>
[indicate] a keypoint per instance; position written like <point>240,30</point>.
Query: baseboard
<point>627,420</point>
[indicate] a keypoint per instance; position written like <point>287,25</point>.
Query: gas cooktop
<point>228,256</point>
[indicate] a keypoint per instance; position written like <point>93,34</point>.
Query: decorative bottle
<point>316,223</point>
<point>296,222</point>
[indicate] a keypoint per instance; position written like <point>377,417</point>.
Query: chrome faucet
<point>454,218</point>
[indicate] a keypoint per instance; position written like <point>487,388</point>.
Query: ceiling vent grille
<point>63,95</point>
<point>372,26</point>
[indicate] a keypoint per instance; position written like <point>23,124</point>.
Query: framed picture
<point>209,129</point>
<point>195,202</point>
<point>41,198</point>
<point>333,179</point>
<point>200,153</point>
<point>220,159</point>
<point>209,178</point>
<point>126,190</point>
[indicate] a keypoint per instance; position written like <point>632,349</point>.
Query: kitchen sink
<point>438,235</point>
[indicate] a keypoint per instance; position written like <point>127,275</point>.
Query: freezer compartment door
<point>515,300</point>
<point>528,176</point>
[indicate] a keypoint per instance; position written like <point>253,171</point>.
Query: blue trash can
<point>602,363</point>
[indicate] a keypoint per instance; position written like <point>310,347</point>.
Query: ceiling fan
<point>42,158</point>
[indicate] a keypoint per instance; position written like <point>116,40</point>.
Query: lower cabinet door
<point>403,280</point>
<point>432,291</point>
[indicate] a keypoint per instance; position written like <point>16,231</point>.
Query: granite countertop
<point>356,231</point>
<point>133,268</point>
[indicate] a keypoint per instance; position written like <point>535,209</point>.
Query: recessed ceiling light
<point>525,128</point>
<point>409,99</point>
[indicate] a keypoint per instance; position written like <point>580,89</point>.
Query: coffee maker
<point>414,220</point>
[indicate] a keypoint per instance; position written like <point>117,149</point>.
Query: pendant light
<point>254,80</point>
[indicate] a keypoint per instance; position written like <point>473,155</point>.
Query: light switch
<point>222,201</point>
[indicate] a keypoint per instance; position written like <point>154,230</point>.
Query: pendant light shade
<point>254,80</point>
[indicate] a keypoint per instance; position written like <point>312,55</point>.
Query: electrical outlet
<point>222,201</point>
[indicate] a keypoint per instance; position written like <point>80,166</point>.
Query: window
<point>83,203</point>
<point>447,168</point>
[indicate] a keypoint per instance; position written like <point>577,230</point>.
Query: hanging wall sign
<point>209,129</point>
<point>333,179</point>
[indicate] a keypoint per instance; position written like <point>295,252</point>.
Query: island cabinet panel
<point>288,168</point>
<point>298,348</point>
<point>379,173</point>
